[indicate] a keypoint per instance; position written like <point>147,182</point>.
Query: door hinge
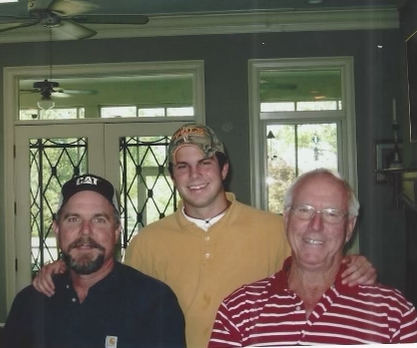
<point>15,264</point>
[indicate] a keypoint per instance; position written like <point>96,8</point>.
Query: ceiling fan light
<point>46,103</point>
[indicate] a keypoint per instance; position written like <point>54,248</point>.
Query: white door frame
<point>11,77</point>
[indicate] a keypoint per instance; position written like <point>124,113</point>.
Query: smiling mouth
<point>313,241</point>
<point>197,187</point>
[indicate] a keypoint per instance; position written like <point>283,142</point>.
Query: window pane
<point>317,105</point>
<point>182,111</point>
<point>312,89</point>
<point>293,150</point>
<point>152,112</point>
<point>52,162</point>
<point>53,114</point>
<point>274,107</point>
<point>147,193</point>
<point>117,111</point>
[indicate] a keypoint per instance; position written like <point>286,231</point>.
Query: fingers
<point>359,271</point>
<point>43,281</point>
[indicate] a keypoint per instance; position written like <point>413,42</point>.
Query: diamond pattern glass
<point>52,162</point>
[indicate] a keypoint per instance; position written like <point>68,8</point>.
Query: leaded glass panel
<point>52,162</point>
<point>146,192</point>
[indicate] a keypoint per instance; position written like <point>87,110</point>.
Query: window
<point>301,118</point>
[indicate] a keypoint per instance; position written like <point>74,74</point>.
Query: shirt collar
<point>282,278</point>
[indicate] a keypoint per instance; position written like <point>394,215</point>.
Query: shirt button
<point>74,299</point>
<point>207,255</point>
<point>206,238</point>
<point>67,286</point>
<point>297,308</point>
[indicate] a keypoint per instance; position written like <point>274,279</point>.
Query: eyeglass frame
<point>313,212</point>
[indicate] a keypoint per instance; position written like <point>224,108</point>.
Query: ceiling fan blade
<point>10,26</point>
<point>112,19</point>
<point>79,91</point>
<point>61,92</point>
<point>71,7</point>
<point>29,91</point>
<point>74,30</point>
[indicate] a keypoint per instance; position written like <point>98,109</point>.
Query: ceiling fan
<point>65,16</point>
<point>48,89</point>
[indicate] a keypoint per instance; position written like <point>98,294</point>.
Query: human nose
<point>317,220</point>
<point>85,227</point>
<point>195,171</point>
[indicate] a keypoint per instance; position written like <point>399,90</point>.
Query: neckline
<point>207,221</point>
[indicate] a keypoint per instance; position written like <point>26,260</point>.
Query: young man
<point>306,303</point>
<point>213,243</point>
<point>98,302</point>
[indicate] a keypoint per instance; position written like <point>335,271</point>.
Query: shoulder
<point>242,208</point>
<point>251,293</point>
<point>168,223</point>
<point>257,221</point>
<point>131,278</point>
<point>258,212</point>
<point>27,293</point>
<point>385,296</point>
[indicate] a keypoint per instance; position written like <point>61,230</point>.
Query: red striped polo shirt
<point>268,313</point>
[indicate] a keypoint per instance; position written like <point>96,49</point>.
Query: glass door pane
<point>44,164</point>
<point>52,162</point>
<point>293,149</point>
<point>146,190</point>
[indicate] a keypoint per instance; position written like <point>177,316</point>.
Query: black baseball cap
<point>88,182</point>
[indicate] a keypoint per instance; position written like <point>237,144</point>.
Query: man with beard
<point>98,302</point>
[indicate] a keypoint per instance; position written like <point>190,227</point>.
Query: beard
<point>86,263</point>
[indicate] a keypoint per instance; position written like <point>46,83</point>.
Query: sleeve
<point>166,325</point>
<point>224,333</point>
<point>408,329</point>
<point>17,329</point>
<point>137,255</point>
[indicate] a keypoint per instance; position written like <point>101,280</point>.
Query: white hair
<point>353,203</point>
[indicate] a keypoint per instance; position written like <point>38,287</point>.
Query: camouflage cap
<point>197,135</point>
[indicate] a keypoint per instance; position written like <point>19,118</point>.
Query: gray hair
<point>353,203</point>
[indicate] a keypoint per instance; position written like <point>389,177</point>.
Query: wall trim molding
<point>237,22</point>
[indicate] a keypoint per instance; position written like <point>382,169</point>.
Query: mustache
<point>85,241</point>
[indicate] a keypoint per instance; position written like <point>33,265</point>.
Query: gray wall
<point>377,81</point>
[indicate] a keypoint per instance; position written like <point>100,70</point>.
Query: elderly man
<point>98,302</point>
<point>306,303</point>
<point>213,243</point>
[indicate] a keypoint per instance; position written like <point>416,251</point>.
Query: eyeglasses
<point>307,212</point>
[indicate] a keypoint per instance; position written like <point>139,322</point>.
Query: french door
<point>130,155</point>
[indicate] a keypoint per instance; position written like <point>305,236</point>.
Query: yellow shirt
<point>203,267</point>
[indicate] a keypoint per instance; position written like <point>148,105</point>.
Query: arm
<point>166,325</point>
<point>408,327</point>
<point>359,271</point>
<point>224,333</point>
<point>43,281</point>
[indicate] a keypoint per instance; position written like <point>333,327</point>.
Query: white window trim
<point>346,118</point>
